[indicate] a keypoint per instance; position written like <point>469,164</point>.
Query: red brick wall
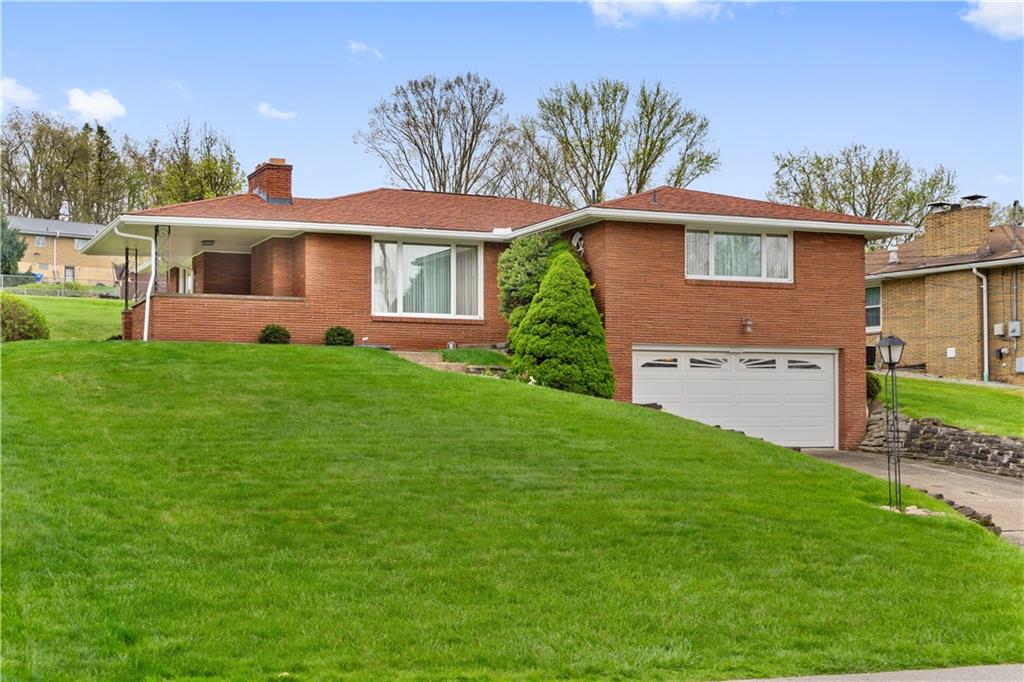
<point>273,268</point>
<point>334,274</point>
<point>640,286</point>
<point>221,273</point>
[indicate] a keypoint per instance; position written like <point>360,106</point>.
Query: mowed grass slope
<point>998,410</point>
<point>198,511</point>
<point>86,319</point>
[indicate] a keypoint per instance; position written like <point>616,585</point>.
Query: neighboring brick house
<point>935,293</point>
<point>741,313</point>
<point>52,249</point>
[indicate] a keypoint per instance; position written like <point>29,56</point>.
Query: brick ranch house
<point>741,313</point>
<point>955,295</point>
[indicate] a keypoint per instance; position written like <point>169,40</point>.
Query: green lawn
<point>203,511</point>
<point>87,319</point>
<point>969,406</point>
<point>476,356</point>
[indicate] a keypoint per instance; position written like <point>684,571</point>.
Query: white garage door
<point>784,397</point>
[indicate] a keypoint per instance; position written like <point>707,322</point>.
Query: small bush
<point>874,387</point>
<point>560,342</point>
<point>275,333</point>
<point>21,321</point>
<point>339,336</point>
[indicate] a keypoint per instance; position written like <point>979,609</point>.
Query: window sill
<point>746,284</point>
<point>873,330</point>
<point>376,317</point>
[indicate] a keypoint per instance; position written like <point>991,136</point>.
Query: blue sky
<point>919,77</point>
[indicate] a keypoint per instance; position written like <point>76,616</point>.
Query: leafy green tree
<point>12,248</point>
<point>195,167</point>
<point>583,132</point>
<point>859,181</point>
<point>561,342</point>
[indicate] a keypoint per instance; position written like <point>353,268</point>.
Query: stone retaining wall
<point>932,440</point>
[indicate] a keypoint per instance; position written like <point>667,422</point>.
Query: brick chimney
<point>956,230</point>
<point>272,181</point>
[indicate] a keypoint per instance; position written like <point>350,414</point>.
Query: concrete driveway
<point>1000,496</point>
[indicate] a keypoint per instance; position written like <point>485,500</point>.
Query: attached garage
<point>786,396</point>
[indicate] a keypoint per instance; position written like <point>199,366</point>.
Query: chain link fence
<point>35,285</point>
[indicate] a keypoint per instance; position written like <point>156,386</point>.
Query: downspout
<point>984,320</point>
<point>152,275</point>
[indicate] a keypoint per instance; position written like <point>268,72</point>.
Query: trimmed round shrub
<point>339,336</point>
<point>874,387</point>
<point>275,333</point>
<point>560,342</point>
<point>21,321</point>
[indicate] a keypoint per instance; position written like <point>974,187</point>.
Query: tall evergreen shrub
<point>560,342</point>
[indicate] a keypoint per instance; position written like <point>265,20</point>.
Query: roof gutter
<point>591,214</point>
<point>1002,262</point>
<point>578,218</point>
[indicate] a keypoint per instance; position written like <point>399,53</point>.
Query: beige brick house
<point>954,295</point>
<point>52,249</point>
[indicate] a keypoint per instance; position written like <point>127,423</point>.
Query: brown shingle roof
<point>911,254</point>
<point>382,207</point>
<point>676,200</point>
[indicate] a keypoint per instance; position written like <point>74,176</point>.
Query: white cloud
<point>13,93</point>
<point>623,14</point>
<point>1002,19</point>
<point>267,111</point>
<point>179,87</point>
<point>95,105</point>
<point>358,47</point>
<point>1001,178</point>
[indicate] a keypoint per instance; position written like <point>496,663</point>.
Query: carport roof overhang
<point>230,234</point>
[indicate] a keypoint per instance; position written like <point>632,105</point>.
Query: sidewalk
<point>978,673</point>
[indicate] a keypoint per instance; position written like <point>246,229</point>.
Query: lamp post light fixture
<point>890,350</point>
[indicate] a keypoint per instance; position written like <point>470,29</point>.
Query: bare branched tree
<point>660,124</point>
<point>878,184</point>
<point>40,160</point>
<point>440,135</point>
<point>586,125</point>
<point>529,168</point>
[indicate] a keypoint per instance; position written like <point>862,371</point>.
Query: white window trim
<point>40,241</point>
<point>454,294</point>
<point>877,328</point>
<point>788,234</point>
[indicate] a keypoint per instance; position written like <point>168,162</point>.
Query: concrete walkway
<point>978,673</point>
<point>1000,496</point>
<point>430,358</point>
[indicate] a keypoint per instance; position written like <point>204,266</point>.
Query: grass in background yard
<point>968,406</point>
<point>476,356</point>
<point>238,511</point>
<point>86,319</point>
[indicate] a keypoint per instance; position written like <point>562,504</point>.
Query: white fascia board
<point>983,265</point>
<point>592,214</point>
<point>297,226</point>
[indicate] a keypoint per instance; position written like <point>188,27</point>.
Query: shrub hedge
<point>339,336</point>
<point>21,321</point>
<point>874,387</point>
<point>275,333</point>
<point>560,342</point>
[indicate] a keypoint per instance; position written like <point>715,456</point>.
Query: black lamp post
<point>890,349</point>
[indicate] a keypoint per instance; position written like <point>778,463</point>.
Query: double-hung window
<point>873,309</point>
<point>427,279</point>
<point>40,240</point>
<point>79,243</point>
<point>741,256</point>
